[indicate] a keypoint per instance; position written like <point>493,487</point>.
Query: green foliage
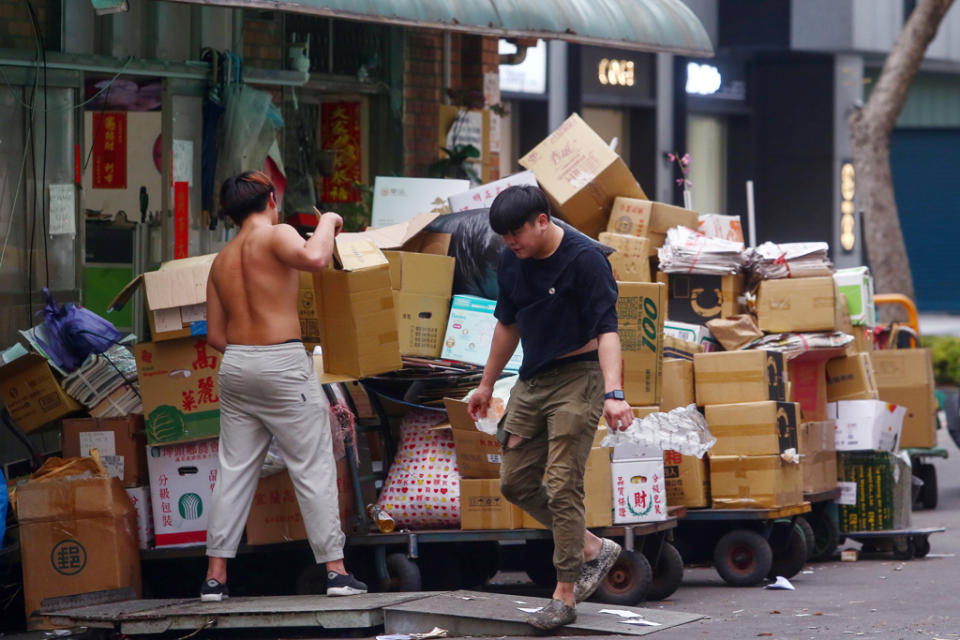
<point>457,163</point>
<point>946,358</point>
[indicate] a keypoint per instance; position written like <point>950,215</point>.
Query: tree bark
<point>870,129</point>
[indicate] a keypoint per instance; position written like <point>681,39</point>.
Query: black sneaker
<point>213,591</point>
<point>344,585</point>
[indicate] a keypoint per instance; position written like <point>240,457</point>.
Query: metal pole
<point>751,215</point>
<point>558,107</point>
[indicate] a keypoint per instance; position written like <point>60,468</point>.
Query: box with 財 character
<point>639,490</point>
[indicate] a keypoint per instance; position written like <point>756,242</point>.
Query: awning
<point>647,25</point>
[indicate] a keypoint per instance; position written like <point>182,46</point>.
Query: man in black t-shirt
<point>558,297</point>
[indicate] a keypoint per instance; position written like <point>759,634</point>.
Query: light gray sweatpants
<point>273,391</point>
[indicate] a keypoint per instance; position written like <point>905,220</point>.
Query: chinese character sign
<point>340,129</point>
<point>110,150</point>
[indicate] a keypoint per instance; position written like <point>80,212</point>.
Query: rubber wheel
<point>667,575</point>
<point>903,549</point>
<point>921,546</point>
<point>826,536</point>
<point>628,582</point>
<point>538,563</point>
<point>742,558</point>
<point>404,574</point>
<point>789,561</point>
<point>808,535</point>
<point>928,492</point>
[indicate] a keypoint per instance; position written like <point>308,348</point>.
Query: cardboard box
<point>182,477</point>
<point>640,325</point>
<point>180,387</point>
<point>308,310</point>
<point>797,304</point>
<point>865,425</point>
<point>483,196</point>
<point>355,253</point>
<point>678,389</point>
<point>754,482</point>
<point>175,297</point>
<point>597,495</point>
<point>275,513</point>
<point>851,378</point>
<point>121,442</point>
<point>478,454</point>
<point>76,536</point>
<point>696,333</point>
<point>753,428</point>
<point>678,349</point>
<point>687,480</point>
<point>581,174</point>
<point>876,491</point>
<point>639,491</point>
<point>424,273</point>
<point>421,296</point>
<point>482,506</point>
<point>31,394</point>
<point>818,456</point>
<point>630,216</point>
<point>470,332</point>
<point>729,377</point>
<point>664,217</point>
<point>649,219</point>
<point>630,260</point>
<point>856,284</point>
<point>697,298</point>
<point>140,499</point>
<point>905,377</point>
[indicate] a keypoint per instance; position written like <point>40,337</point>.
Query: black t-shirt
<point>559,303</point>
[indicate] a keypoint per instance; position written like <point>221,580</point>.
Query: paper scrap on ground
<point>631,617</point>
<point>529,609</point>
<point>781,583</point>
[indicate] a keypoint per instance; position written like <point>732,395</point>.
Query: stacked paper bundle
<point>771,261</point>
<point>689,251</point>
<point>106,383</point>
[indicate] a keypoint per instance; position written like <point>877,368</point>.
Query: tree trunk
<point>870,129</point>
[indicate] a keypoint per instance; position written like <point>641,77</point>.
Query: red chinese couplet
<point>110,150</point>
<point>340,129</point>
<point>181,220</point>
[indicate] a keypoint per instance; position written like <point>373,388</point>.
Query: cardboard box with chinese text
<point>753,428</point>
<point>639,491</point>
<point>728,377</point>
<point>121,443</point>
<point>640,325</point>
<point>421,297</point>
<point>482,506</point>
<point>140,499</point>
<point>32,394</point>
<point>687,479</point>
<point>797,304</point>
<point>905,377</point>
<point>877,488</point>
<point>629,261</point>
<point>754,482</point>
<point>182,477</point>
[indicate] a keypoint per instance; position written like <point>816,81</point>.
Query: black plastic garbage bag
<point>477,249</point>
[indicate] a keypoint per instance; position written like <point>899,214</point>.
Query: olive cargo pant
<point>556,412</point>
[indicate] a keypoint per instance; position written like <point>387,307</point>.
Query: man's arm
<point>216,319</point>
<point>504,343</point>
<point>307,255</point>
<point>618,414</point>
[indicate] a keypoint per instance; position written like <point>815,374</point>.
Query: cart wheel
<point>538,563</point>
<point>668,573</point>
<point>742,558</point>
<point>809,537</point>
<point>826,536</point>
<point>404,574</point>
<point>789,561</point>
<point>928,492</point>
<point>628,582</point>
<point>903,548</point>
<point>921,546</point>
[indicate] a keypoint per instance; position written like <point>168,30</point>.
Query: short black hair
<point>244,194</point>
<point>516,206</point>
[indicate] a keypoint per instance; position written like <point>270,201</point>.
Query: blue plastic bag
<point>73,333</point>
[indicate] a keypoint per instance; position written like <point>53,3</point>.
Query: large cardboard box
<point>142,507</point>
<point>697,298</point>
<point>630,260</point>
<point>175,296</point>
<point>180,387</point>
<point>182,477</point>
<point>876,491</point>
<point>687,480</point>
<point>77,535</point>
<point>851,378</point>
<point>470,332</point>
<point>664,217</point>
<point>856,284</point>
<point>421,296</point>
<point>818,456</point>
<point>581,174</point>
<point>728,377</point>
<point>679,349</point>
<point>478,454</point>
<point>425,273</point>
<point>678,389</point>
<point>640,325</point>
<point>754,482</point>
<point>797,304</point>
<point>639,491</point>
<point>905,377</point>
<point>867,425</point>
<point>753,428</point>
<point>649,219</point>
<point>31,394</point>
<point>275,513</point>
<point>630,216</point>
<point>597,494</point>
<point>482,506</point>
<point>121,442</point>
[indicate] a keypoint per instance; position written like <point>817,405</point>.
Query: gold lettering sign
<point>847,222</point>
<point>616,72</point>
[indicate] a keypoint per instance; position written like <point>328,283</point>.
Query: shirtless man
<point>267,383</point>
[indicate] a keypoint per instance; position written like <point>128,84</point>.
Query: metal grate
<point>339,47</point>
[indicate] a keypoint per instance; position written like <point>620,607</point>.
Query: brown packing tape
<point>723,377</point>
<point>737,464</point>
<point>753,501</point>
